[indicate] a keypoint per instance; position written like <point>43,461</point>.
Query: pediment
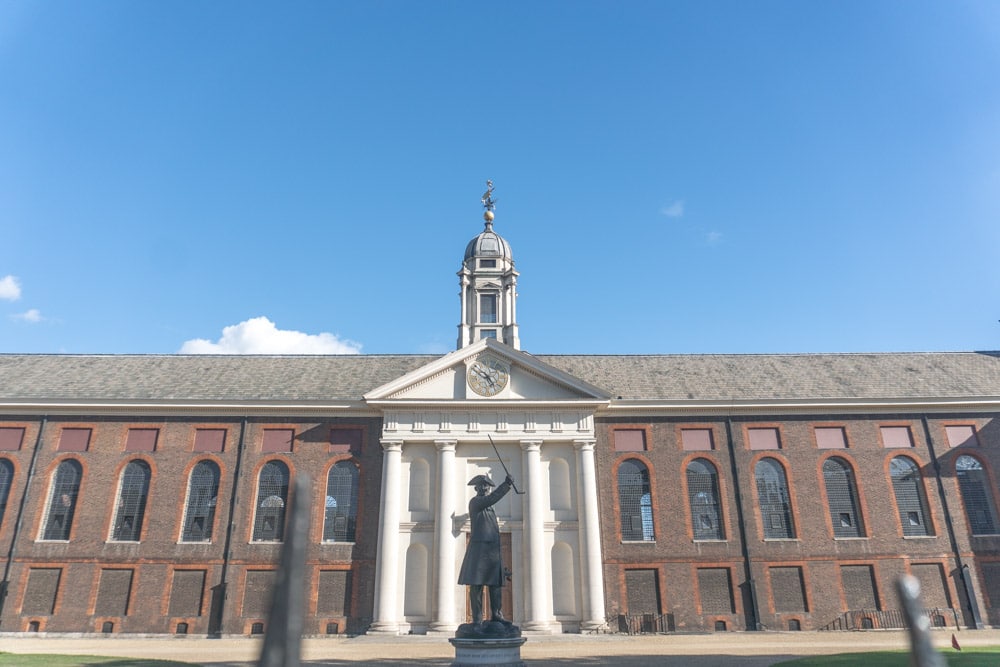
<point>517,376</point>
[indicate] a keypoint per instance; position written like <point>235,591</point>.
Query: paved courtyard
<point>724,649</point>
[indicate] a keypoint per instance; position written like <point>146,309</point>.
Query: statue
<point>489,203</point>
<point>483,563</point>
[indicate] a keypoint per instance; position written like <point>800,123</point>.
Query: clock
<point>488,376</point>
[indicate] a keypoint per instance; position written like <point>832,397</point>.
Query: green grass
<point>974,656</point>
<point>46,660</point>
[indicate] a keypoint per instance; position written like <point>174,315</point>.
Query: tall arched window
<point>703,497</point>
<point>6,479</point>
<point>341,503</point>
<point>272,496</point>
<point>911,502</point>
<point>772,496</point>
<point>976,495</point>
<point>842,498</point>
<point>62,500</point>
<point>635,504</point>
<point>131,502</point>
<point>199,511</point>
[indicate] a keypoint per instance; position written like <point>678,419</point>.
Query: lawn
<point>974,656</point>
<point>46,660</point>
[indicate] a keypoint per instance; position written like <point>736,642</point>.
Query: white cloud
<point>713,237</point>
<point>259,335</point>
<point>10,288</point>
<point>675,210</point>
<point>33,315</point>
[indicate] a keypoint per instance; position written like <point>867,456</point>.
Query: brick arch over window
<point>911,502</point>
<point>6,481</point>
<point>202,499</point>
<point>773,500</point>
<point>341,509</point>
<point>842,498</point>
<point>272,498</point>
<point>974,483</point>
<point>703,500</point>
<point>62,500</point>
<point>133,489</point>
<point>635,502</point>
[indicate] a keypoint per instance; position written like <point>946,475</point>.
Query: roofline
<point>796,406</point>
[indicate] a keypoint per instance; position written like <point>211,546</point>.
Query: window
<point>62,500</point>
<point>341,503</point>
<point>764,438</point>
<point>629,440</point>
<point>131,502</point>
<point>772,495</point>
<point>277,440</point>
<point>697,439</point>
<point>272,496</point>
<point>896,437</point>
<point>199,511</point>
<point>10,438</point>
<point>209,439</point>
<point>488,333</point>
<point>6,479</point>
<point>346,440</point>
<point>974,485</point>
<point>959,436</point>
<point>74,440</point>
<point>488,308</point>
<point>911,503</point>
<point>703,497</point>
<point>141,439</point>
<point>842,498</point>
<point>487,264</point>
<point>635,502</point>
<point>831,437</point>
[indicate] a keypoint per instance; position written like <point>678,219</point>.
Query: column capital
<point>391,445</point>
<point>531,445</point>
<point>445,445</point>
<point>585,444</point>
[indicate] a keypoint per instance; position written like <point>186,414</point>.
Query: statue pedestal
<point>488,652</point>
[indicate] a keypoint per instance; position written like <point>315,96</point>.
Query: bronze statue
<point>483,563</point>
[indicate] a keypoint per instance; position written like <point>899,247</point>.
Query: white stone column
<point>387,558</point>
<point>591,564</point>
<point>538,610</point>
<point>445,580</point>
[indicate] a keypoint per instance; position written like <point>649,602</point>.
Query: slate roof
<point>709,377</point>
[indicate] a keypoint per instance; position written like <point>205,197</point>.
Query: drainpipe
<point>753,613</point>
<point>218,606</point>
<point>20,515</point>
<point>967,583</point>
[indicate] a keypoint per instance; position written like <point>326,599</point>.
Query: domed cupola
<point>489,285</point>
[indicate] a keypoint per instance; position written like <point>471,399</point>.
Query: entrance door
<point>507,595</point>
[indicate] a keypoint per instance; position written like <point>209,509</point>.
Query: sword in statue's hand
<point>512,485</point>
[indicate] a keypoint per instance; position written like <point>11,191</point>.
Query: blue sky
<point>672,177</point>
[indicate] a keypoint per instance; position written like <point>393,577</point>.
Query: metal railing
<point>890,619</point>
<point>641,624</point>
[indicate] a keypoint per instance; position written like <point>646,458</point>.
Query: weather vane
<point>489,203</point>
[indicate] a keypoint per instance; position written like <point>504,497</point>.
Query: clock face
<point>488,376</point>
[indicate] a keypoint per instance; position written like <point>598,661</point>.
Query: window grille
<point>272,496</point>
<point>772,496</point>
<point>341,503</point>
<point>974,485</point>
<point>910,500</point>
<point>635,505</point>
<point>199,512</point>
<point>842,498</point>
<point>703,497</point>
<point>62,500</point>
<point>6,477</point>
<point>131,502</point>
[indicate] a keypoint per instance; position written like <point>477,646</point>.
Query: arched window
<point>6,478</point>
<point>131,502</point>
<point>842,498</point>
<point>976,496</point>
<point>911,502</point>
<point>635,505</point>
<point>62,500</point>
<point>341,503</point>
<point>199,511</point>
<point>772,496</point>
<point>703,497</point>
<point>272,496</point>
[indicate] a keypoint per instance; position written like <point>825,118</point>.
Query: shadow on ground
<point>616,660</point>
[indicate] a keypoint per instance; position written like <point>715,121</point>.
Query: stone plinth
<point>488,652</point>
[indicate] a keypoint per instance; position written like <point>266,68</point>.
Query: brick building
<point>685,492</point>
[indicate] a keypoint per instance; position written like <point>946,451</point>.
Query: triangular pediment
<point>487,371</point>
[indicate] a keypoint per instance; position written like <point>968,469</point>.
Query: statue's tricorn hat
<point>481,479</point>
